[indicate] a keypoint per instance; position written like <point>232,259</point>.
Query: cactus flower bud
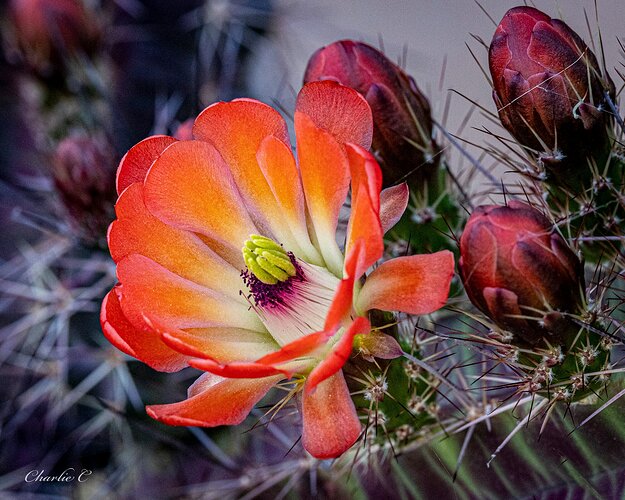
<point>47,31</point>
<point>549,91</point>
<point>84,177</point>
<point>521,273</point>
<point>184,131</point>
<point>402,136</point>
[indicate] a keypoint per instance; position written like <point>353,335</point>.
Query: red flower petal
<point>107,319</point>
<point>278,166</point>
<point>264,366</point>
<point>393,203</point>
<point>364,222</point>
<point>221,344</point>
<point>221,402</point>
<point>143,345</point>
<point>366,175</point>
<point>343,297</point>
<point>137,161</point>
<point>418,284</point>
<point>239,369</point>
<point>339,354</point>
<point>340,110</point>
<point>293,350</point>
<point>331,425</point>
<point>364,232</point>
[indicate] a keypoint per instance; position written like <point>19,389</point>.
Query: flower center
<point>290,296</point>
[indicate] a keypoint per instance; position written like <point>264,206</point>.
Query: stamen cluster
<point>270,296</point>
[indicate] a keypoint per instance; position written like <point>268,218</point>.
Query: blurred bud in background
<point>45,33</point>
<point>550,91</point>
<point>513,263</point>
<point>184,131</point>
<point>402,137</point>
<point>84,177</point>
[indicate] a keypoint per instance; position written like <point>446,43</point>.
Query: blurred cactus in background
<point>45,35</point>
<point>514,389</point>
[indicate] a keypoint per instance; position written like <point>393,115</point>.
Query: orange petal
<point>263,366</point>
<point>331,424</point>
<point>393,203</point>
<point>202,383</point>
<point>266,365</point>
<point>216,402</point>
<point>325,176</point>
<point>190,187</point>
<point>340,110</point>
<point>343,297</point>
<point>365,173</point>
<point>364,222</point>
<point>418,284</point>
<point>278,166</point>
<point>237,129</point>
<point>148,292</point>
<point>136,230</point>
<point>222,344</point>
<point>238,369</point>
<point>146,346</point>
<point>364,232</point>
<point>137,161</point>
<point>108,315</point>
<point>296,349</point>
<point>339,354</point>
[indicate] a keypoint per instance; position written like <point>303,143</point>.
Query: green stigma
<point>267,260</point>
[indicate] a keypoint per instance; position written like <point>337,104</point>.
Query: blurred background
<point>83,82</point>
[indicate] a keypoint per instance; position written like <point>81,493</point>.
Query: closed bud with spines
<point>520,272</point>
<point>550,92</point>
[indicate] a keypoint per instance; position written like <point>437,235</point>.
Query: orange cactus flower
<point>289,304</point>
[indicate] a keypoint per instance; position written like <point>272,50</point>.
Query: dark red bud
<point>402,136</point>
<point>513,263</point>
<point>84,176</point>
<point>549,90</point>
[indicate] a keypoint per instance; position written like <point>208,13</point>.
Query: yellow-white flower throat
<point>290,296</point>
